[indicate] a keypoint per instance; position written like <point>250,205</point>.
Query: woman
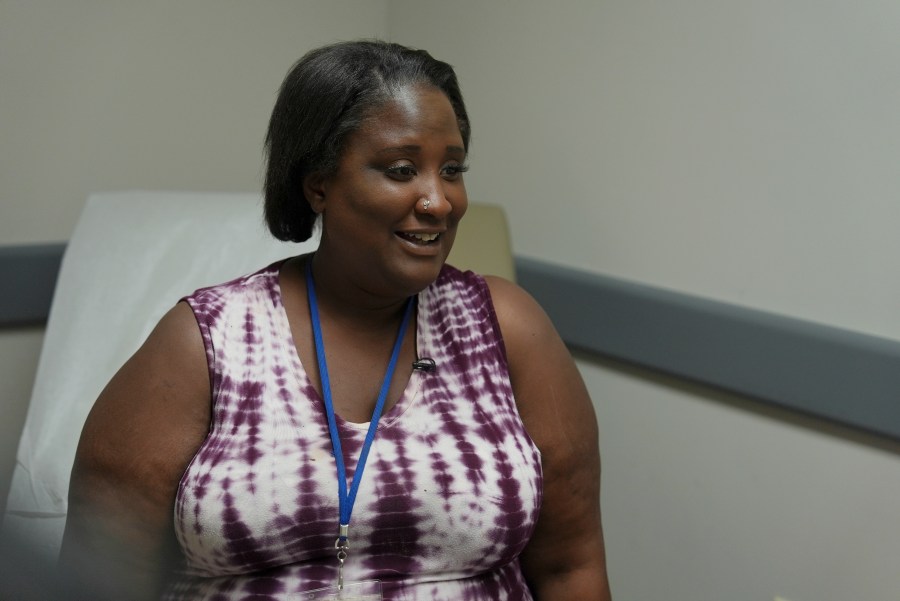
<point>364,419</point>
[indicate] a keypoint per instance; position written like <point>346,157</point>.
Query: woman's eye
<point>454,171</point>
<point>402,171</point>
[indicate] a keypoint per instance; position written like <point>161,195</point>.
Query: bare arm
<point>143,430</point>
<point>565,558</point>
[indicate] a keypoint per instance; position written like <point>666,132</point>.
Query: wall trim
<point>28,278</point>
<point>840,375</point>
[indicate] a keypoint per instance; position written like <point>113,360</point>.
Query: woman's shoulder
<point>511,306</point>
<point>521,318</point>
<point>265,279</point>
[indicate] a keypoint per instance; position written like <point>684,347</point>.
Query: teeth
<point>424,237</point>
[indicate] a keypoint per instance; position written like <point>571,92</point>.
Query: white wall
<point>742,151</point>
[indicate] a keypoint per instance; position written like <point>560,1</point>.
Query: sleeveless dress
<point>451,490</point>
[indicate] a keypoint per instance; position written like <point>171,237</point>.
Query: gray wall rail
<point>836,374</point>
<point>840,375</point>
<point>27,279</point>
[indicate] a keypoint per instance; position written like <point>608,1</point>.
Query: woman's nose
<point>434,200</point>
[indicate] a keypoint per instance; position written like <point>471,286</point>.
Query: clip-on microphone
<point>424,364</point>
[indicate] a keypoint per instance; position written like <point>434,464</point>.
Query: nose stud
<point>425,204</point>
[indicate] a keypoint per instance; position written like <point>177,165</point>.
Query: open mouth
<point>423,239</point>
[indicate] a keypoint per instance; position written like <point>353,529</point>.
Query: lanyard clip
<point>342,544</point>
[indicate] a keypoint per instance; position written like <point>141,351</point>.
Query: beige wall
<point>107,95</point>
<point>19,352</point>
<point>741,151</point>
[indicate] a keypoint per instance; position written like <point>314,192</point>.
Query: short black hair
<point>326,96</point>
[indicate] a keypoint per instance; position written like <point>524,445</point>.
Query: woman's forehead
<point>411,113</point>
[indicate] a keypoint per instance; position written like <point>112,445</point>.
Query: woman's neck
<point>341,297</point>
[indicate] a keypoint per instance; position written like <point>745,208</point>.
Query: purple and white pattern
<point>452,487</point>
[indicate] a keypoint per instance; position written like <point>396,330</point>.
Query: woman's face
<point>374,229</point>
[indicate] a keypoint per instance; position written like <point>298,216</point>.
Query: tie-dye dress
<point>451,490</point>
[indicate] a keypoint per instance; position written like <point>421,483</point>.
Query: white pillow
<point>131,257</point>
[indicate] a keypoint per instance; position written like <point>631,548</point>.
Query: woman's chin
<point>415,276</point>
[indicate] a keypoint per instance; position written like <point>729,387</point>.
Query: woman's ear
<point>314,191</point>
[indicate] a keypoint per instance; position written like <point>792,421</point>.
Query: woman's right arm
<point>142,432</point>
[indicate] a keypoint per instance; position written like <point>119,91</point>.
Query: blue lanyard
<point>347,497</point>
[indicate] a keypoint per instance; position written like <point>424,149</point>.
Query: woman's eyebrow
<point>415,148</point>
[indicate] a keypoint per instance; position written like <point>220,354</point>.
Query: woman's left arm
<point>565,558</point>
